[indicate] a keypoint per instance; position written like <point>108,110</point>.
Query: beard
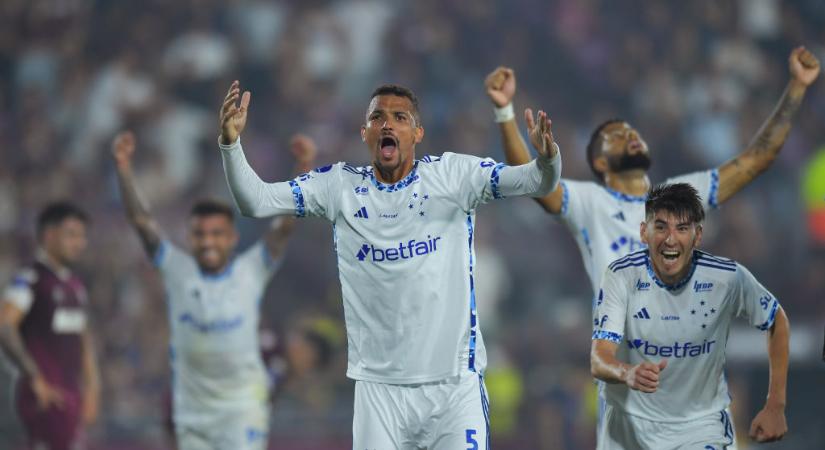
<point>626,161</point>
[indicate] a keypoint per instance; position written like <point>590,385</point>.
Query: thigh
<point>53,429</point>
<point>377,421</point>
<point>714,432</point>
<point>617,431</point>
<point>246,429</point>
<point>464,423</point>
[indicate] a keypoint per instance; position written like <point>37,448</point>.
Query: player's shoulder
<point>629,261</point>
<point>26,276</point>
<point>463,159</point>
<point>712,262</point>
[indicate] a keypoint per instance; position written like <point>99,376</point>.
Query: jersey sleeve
<point>317,192</point>
<point>172,262</point>
<point>705,182</point>
<point>753,302</point>
<point>478,180</point>
<point>575,202</point>
<point>258,262</point>
<point>19,291</point>
<point>611,308</point>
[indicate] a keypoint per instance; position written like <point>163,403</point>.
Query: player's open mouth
<point>388,146</point>
<point>634,146</point>
<point>670,255</point>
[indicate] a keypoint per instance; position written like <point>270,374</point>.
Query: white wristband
<point>505,113</point>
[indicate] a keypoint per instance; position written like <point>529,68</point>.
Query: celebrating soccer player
<point>45,332</point>
<point>663,318</point>
<point>403,231</point>
<point>220,387</point>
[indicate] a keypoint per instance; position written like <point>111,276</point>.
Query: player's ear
<point>419,134</point>
<point>600,164</point>
<point>364,133</point>
<point>698,239</point>
<point>643,232</point>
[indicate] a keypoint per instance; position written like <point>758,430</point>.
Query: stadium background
<point>696,78</point>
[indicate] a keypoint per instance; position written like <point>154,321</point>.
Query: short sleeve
<point>575,207</point>
<point>19,292</point>
<point>753,302</point>
<point>171,261</point>
<point>258,262</point>
<point>611,309</point>
<point>316,192</point>
<point>705,182</point>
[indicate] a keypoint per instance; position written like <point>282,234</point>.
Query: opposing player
<point>44,330</point>
<point>220,387</point>
<point>603,217</point>
<point>664,315</point>
<point>403,231</point>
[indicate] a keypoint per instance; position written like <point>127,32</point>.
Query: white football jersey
<point>605,223</point>
<point>213,320</point>
<point>405,253</point>
<point>686,323</point>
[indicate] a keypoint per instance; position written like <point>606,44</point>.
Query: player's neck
<point>52,262</point>
<point>630,182</point>
<point>392,176</point>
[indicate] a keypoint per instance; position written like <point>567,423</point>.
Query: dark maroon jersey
<point>54,322</point>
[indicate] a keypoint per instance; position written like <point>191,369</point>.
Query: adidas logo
<point>642,314</point>
<point>361,213</point>
<point>619,216</point>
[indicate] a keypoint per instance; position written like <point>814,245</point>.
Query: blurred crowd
<point>695,78</point>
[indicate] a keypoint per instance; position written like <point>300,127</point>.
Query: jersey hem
<point>405,380</point>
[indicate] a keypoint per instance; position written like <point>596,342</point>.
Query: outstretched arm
<point>770,425</point>
<point>123,147</point>
<point>254,197</point>
<point>765,145</point>
<point>501,87</point>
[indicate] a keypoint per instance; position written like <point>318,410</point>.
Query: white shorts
<point>620,431</point>
<point>443,415</point>
<point>248,430</point>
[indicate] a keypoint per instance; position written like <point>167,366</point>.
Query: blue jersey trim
<point>625,197</point>
<point>713,199</point>
<point>494,180</point>
<point>715,259</point>
<point>565,198</point>
<point>298,197</point>
<point>473,317</point>
<point>635,255</point>
<point>160,253</point>
<point>607,336</point>
<point>771,317</point>
<point>705,263</point>
<point>676,286</point>
<point>485,408</point>
<point>630,264</point>
<point>408,180</point>
<point>728,426</point>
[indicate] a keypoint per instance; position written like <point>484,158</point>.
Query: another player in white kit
<point>403,231</point>
<point>220,385</point>
<point>663,318</point>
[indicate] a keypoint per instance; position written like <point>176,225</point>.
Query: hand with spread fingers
<point>233,115</point>
<point>540,134</point>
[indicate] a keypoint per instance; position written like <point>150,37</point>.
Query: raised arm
<point>765,145</point>
<point>501,87</point>
<point>137,213</point>
<point>604,366</point>
<point>254,197</point>
<point>770,424</point>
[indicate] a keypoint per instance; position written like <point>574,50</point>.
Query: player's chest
<point>203,304</point>
<point>60,305</point>
<point>658,315</point>
<point>614,228</point>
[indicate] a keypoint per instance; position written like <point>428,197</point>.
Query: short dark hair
<point>55,213</point>
<point>593,146</point>
<point>680,199</point>
<point>210,207</point>
<point>399,91</point>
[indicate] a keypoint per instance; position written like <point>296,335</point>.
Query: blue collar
<point>408,180</point>
<point>218,276</point>
<point>625,197</point>
<point>678,284</point>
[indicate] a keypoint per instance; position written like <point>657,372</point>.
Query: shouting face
<point>391,133</point>
<point>671,241</point>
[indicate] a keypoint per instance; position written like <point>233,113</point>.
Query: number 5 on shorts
<point>472,440</point>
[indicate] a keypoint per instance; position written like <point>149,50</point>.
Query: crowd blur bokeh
<point>696,78</point>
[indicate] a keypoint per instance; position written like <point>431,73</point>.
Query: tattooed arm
<point>760,153</point>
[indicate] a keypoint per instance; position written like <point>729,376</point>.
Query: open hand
<point>540,135</point>
<point>233,116</point>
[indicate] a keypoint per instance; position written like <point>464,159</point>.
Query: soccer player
<point>403,232</point>
<point>220,387</point>
<point>44,331</point>
<point>603,216</point>
<point>664,315</point>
